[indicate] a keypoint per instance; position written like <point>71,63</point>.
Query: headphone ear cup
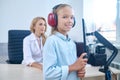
<point>52,19</point>
<point>74,22</point>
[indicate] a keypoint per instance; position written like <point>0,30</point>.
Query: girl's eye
<point>64,16</point>
<point>72,17</point>
<point>40,24</point>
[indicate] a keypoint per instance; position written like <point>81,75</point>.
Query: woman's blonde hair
<point>33,23</point>
<point>55,10</point>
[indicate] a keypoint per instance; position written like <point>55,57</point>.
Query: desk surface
<point>19,72</point>
<point>22,72</point>
<point>94,71</point>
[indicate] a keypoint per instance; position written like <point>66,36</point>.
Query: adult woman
<point>33,43</point>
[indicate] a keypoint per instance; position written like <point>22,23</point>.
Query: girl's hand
<point>81,73</point>
<point>79,64</point>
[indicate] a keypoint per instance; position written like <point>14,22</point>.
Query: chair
<point>15,45</point>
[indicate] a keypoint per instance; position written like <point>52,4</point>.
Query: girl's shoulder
<point>51,37</point>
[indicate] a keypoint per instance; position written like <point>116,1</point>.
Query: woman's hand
<point>36,65</point>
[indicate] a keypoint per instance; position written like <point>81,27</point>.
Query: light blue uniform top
<point>59,52</point>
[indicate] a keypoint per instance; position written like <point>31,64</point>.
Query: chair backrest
<point>15,45</point>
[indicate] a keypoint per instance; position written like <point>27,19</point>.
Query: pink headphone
<point>52,17</point>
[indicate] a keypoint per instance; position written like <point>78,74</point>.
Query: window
<point>104,16</point>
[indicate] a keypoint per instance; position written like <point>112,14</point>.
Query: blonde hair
<point>33,23</point>
<point>55,10</point>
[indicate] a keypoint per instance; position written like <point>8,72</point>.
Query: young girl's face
<point>65,19</point>
<point>39,27</point>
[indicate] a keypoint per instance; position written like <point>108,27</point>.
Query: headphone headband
<point>55,7</point>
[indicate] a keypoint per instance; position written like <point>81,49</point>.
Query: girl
<point>59,54</point>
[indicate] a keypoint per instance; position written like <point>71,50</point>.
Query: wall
<point>18,14</point>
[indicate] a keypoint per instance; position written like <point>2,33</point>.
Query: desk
<point>22,72</point>
<point>93,73</point>
<point>19,72</point>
